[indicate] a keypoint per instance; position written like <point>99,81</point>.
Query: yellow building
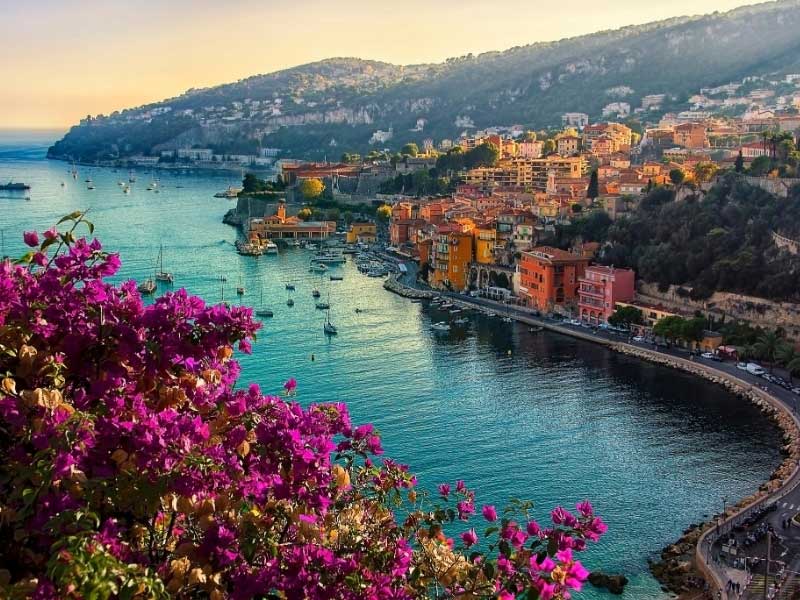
<point>361,232</point>
<point>485,240</point>
<point>451,255</point>
<point>527,173</point>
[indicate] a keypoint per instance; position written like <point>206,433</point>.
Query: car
<point>575,322</point>
<point>755,369</point>
<point>710,356</point>
<point>796,391</point>
<point>639,339</point>
<point>742,366</point>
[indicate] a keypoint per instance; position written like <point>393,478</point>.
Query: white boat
<point>126,190</point>
<point>120,183</point>
<point>161,274</point>
<point>147,287</point>
<point>461,321</point>
<point>440,326</point>
<point>508,320</point>
<point>271,247</point>
<point>90,186</point>
<point>329,258</point>
<point>317,268</point>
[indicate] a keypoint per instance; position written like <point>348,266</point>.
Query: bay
<point>514,414</point>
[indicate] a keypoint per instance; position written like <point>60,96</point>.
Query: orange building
<point>451,254</point>
<point>549,277</point>
<point>691,135</point>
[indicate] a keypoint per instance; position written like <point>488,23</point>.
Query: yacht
<point>263,312</point>
<point>329,328</point>
<point>315,293</point>
<point>290,286</point>
<point>161,274</point>
<point>323,305</point>
<point>440,326</point>
<point>271,247</point>
<point>90,186</point>
<point>336,278</point>
<point>147,287</point>
<point>330,258</point>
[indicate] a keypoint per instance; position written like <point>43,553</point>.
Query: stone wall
<point>773,185</point>
<point>756,311</point>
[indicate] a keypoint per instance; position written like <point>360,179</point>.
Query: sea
<point>515,414</point>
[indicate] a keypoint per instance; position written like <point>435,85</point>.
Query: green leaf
<point>490,530</point>
<point>488,569</point>
<point>70,217</point>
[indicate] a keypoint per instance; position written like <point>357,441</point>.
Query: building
<point>527,173</point>
<point>568,145</point>
<point>451,255</point>
<point>691,135</point>
<point>600,289</point>
<point>364,233</point>
<point>575,119</point>
<point>485,242</point>
<point>549,278</point>
<point>280,226</point>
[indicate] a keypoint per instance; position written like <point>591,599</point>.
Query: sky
<point>63,59</point>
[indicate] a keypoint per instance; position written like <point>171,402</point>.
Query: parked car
<point>755,369</point>
<point>710,356</point>
<point>796,390</point>
<point>575,322</point>
<point>742,366</point>
<point>639,339</point>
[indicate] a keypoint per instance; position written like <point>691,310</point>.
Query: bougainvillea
<point>131,466</point>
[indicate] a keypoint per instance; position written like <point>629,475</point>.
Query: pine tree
<point>594,186</point>
<point>739,164</point>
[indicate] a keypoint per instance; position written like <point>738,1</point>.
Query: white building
<point>575,119</point>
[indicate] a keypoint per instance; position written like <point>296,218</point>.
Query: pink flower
<point>290,386</point>
<point>51,234</point>
<point>546,564</point>
<point>31,238</point>
<point>504,595</point>
<point>444,490</point>
<point>585,508</point>
<point>470,538</point>
<point>460,487</point>
<point>489,513</point>
<point>533,528</point>
<point>561,516</point>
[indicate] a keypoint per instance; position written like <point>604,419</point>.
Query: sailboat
<point>263,312</point>
<point>147,287</point>
<point>290,300</point>
<point>163,275</point>
<point>240,290</point>
<point>329,328</point>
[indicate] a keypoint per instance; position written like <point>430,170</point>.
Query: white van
<point>754,369</point>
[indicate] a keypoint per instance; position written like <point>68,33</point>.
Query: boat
<point>336,278</point>
<point>240,290</point>
<point>231,193</point>
<point>536,329</point>
<point>90,186</point>
<point>248,249</point>
<point>446,306</point>
<point>322,305</point>
<point>131,176</point>
<point>263,312</point>
<point>440,326</point>
<point>120,183</point>
<point>88,180</point>
<point>14,187</point>
<point>329,328</point>
<point>161,274</point>
<point>329,258</point>
<point>271,247</point>
<point>63,184</point>
<point>461,321</point>
<point>290,286</point>
<point>508,320</point>
<point>148,286</point>
<point>126,190</point>
<point>315,293</point>
<point>317,268</point>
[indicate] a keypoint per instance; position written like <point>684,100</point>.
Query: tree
<point>593,190</point>
<point>768,346</point>
<point>549,147</point>
<point>384,213</point>
<point>739,164</point>
<point>676,176</point>
<point>705,172</point>
<point>304,214</point>
<point>529,136</point>
<point>410,149</point>
<point>626,316</point>
<point>577,208</point>
<point>760,166</point>
<point>311,188</point>
<point>670,328</point>
<point>482,155</point>
<point>135,465</point>
<point>788,356</point>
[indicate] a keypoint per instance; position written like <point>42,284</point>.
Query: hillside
<point>338,104</point>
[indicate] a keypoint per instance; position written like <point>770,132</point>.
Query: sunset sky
<point>63,59</point>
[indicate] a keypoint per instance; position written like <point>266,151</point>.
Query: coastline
<point>124,164</point>
<point>684,560</point>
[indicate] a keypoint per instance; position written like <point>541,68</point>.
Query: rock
<point>613,583</point>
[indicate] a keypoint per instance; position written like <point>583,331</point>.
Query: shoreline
<point>123,164</point>
<point>682,561</point>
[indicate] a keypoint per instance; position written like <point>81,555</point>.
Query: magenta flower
<point>470,538</point>
<point>290,386</point>
<point>585,508</point>
<point>444,490</point>
<point>31,238</point>
<point>489,513</point>
<point>50,234</point>
<point>533,528</point>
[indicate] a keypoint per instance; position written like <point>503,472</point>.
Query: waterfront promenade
<point>770,397</point>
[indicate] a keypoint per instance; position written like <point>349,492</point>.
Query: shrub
<point>132,467</point>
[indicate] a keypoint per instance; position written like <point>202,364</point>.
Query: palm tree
<point>768,346</point>
<point>788,356</point>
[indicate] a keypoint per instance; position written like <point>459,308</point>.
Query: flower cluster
<point>131,466</point>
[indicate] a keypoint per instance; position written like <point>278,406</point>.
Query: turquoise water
<point>556,420</point>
